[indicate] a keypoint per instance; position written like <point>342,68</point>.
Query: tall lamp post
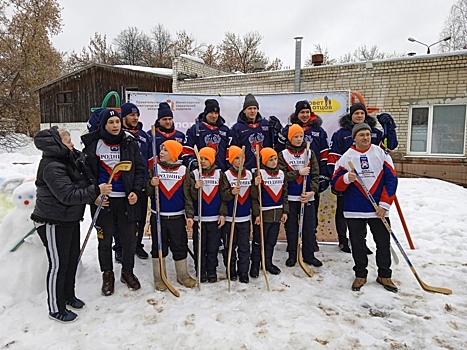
<point>428,46</point>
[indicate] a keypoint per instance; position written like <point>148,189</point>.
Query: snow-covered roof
<point>161,71</point>
<point>193,58</point>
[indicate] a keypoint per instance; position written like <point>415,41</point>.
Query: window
<point>437,130</point>
<point>64,97</point>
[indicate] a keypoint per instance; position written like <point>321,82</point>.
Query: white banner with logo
<point>329,105</point>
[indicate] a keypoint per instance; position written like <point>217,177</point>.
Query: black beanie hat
<point>128,108</point>
<point>106,114</point>
<point>302,105</point>
<point>250,100</point>
<point>356,107</point>
<point>211,105</point>
<point>164,110</point>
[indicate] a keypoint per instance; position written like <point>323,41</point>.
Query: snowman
<point>27,266</point>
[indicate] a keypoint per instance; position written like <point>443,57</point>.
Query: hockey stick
<point>305,268</point>
<point>424,286</point>
<point>20,243</point>
<point>200,203</point>
<point>398,207</point>
<point>261,230</point>
<point>169,286</point>
<point>124,165</point>
<point>404,225</point>
<point>234,213</point>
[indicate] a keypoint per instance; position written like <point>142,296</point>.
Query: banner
<point>329,105</point>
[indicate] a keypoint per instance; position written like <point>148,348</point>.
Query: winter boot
<point>243,277</point>
<point>182,274</point>
<point>233,273</point>
<point>254,270</point>
<point>344,246</point>
<point>156,272</point>
<point>108,283</point>
<point>313,261</point>
<point>292,259</point>
<point>130,279</point>
<point>358,283</point>
<point>387,284</point>
<point>273,269</point>
<point>212,276</point>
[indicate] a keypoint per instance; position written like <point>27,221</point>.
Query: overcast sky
<point>340,25</point>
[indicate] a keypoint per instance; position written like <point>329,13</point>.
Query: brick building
<point>426,95</point>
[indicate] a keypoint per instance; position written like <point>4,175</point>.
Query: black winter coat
<point>133,180</point>
<point>62,188</point>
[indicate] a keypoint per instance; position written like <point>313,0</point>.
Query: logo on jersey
<point>364,162</point>
<point>256,140</point>
<point>212,141</point>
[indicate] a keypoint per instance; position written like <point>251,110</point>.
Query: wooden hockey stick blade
<point>304,267</point>
<point>124,165</point>
<point>169,286</point>
<point>429,288</point>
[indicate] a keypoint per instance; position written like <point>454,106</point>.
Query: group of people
<point>207,187</point>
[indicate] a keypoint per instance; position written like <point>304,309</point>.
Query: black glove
<point>386,119</point>
<point>193,165</point>
<point>275,125</point>
<point>323,183</point>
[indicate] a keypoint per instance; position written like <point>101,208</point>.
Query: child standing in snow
<point>275,206</point>
<point>241,237</point>
<point>297,163</point>
<point>213,213</point>
<point>173,183</point>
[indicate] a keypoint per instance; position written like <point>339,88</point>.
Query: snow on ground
<point>298,313</point>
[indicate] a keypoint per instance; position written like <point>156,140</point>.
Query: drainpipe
<point>298,62</point>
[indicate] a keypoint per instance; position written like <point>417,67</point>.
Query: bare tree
<point>211,56</point>
<point>162,47</point>
<point>319,49</point>
<point>131,44</point>
<point>455,26</point>
<point>185,43</point>
<point>27,60</point>
<point>242,54</point>
<point>98,51</point>
<point>363,53</point>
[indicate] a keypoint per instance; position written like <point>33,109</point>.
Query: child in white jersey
<point>274,207</point>
<point>241,235</point>
<point>173,183</point>
<point>213,212</point>
<point>298,165</point>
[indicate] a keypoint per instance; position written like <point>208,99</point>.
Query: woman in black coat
<point>62,193</point>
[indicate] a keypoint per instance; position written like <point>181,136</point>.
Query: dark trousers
<point>140,225</point>
<point>308,230</point>
<point>62,245</point>
<point>210,238</point>
<point>341,224</point>
<point>116,212</point>
<point>357,233</point>
<point>174,236</point>
<point>240,245</point>
<point>270,232</point>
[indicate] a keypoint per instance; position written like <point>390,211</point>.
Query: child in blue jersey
<point>274,208</point>
<point>173,183</point>
<point>241,236</point>
<point>297,163</point>
<point>213,213</point>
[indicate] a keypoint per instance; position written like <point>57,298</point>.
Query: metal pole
<point>298,62</point>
